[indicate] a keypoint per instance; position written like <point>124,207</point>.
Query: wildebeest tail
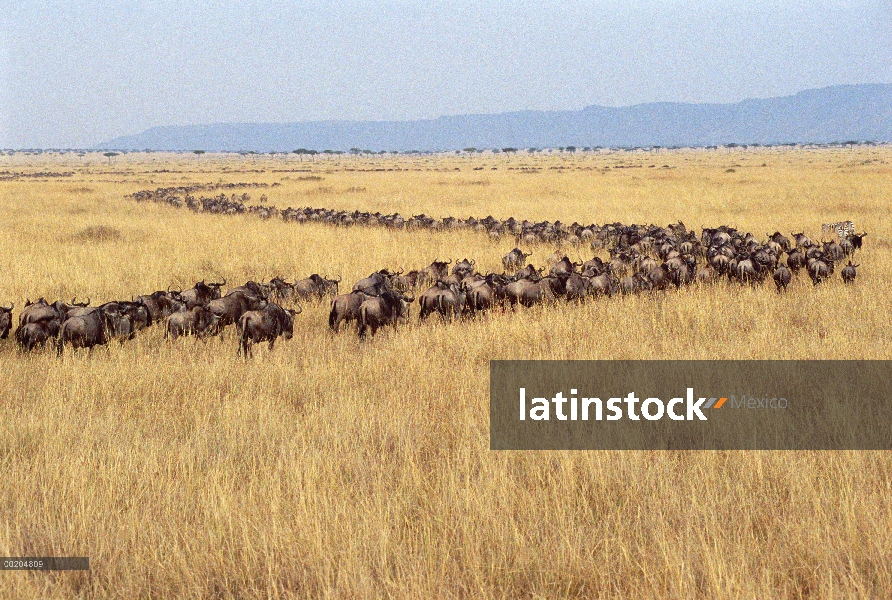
<point>361,322</point>
<point>242,338</point>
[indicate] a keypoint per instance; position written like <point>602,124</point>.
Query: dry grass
<point>328,468</point>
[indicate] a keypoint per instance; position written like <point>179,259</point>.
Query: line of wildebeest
<point>642,259</point>
<point>526,232</point>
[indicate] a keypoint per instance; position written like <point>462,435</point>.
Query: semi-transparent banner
<point>691,405</point>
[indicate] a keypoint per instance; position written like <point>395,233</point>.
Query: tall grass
<point>330,468</point>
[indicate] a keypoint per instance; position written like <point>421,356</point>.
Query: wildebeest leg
<point>271,342</point>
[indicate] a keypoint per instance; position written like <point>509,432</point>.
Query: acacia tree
<point>110,156</point>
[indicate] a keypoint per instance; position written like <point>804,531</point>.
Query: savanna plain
<point>330,467</point>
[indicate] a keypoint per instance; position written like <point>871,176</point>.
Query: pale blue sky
<point>73,74</point>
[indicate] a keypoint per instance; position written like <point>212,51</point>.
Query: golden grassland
<point>330,468</point>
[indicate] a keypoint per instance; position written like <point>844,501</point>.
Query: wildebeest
<point>635,283</point>
<point>782,277</point>
<point>43,311</point>
<point>802,240</point>
<point>602,285</point>
<point>780,239</point>
<point>819,270</point>
<point>515,259</point>
<point>796,260</point>
<point>529,293</point>
<point>447,299</point>
<point>33,335</point>
<point>131,318</point>
<point>463,268</point>
<point>375,284</point>
<point>849,273</point>
<point>89,327</point>
<point>577,288</point>
<point>563,267</point>
<point>595,264</point>
<point>529,272</point>
<point>747,270</point>
<point>48,316</point>
<point>5,321</point>
<point>316,286</point>
<point>265,325</point>
<point>201,293</point>
<point>345,308</point>
<point>407,282</point>
<point>385,309</point>
<point>434,271</point>
<point>251,288</point>
<point>857,239</point>
<point>160,304</point>
<point>833,251</point>
<point>484,295</point>
<point>279,288</point>
<point>196,321</point>
<point>233,305</point>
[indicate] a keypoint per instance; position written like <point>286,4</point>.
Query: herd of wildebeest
<point>639,259</point>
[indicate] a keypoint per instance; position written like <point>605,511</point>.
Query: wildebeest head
<point>463,268</point>
<point>288,322</point>
<point>857,239</point>
<point>280,288</point>
<point>201,293</point>
<point>330,286</point>
<point>5,321</point>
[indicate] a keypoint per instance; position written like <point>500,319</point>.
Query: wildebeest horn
<point>299,309</point>
<point>473,262</point>
<point>339,279</point>
<point>400,272</point>
<point>449,262</point>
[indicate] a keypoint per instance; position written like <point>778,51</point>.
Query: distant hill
<point>831,114</point>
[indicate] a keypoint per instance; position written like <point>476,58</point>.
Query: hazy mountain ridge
<point>831,114</point>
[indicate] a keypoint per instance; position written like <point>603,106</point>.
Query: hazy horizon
<point>74,75</point>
